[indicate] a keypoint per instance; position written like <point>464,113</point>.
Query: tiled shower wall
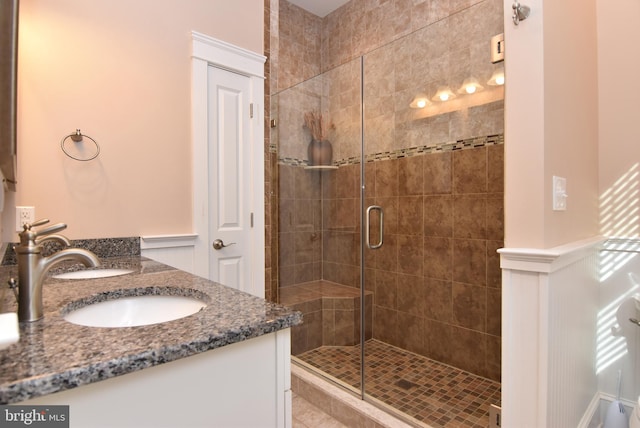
<point>270,166</point>
<point>436,281</point>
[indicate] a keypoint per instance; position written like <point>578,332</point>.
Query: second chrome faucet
<point>33,265</point>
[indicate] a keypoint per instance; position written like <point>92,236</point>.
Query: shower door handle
<point>368,223</point>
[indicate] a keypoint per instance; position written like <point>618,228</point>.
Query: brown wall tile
<point>468,350</point>
<point>385,325</point>
<point>495,168</point>
<point>495,217</point>
<point>345,334</point>
<point>411,176</point>
<point>470,216</point>
<point>439,300</point>
<point>470,261</point>
<point>494,313</point>
<point>410,254</point>
<point>386,289</point>
<point>307,247</point>
<point>411,333</point>
<point>439,336</point>
<point>470,306</point>
<point>386,178</point>
<point>470,171</point>
<point>494,273</point>
<point>494,357</point>
<point>386,257</point>
<point>305,272</point>
<point>438,173</point>
<point>438,216</point>
<point>410,215</point>
<point>438,258</point>
<point>411,296</point>
<point>391,209</point>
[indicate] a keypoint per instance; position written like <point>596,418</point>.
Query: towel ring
<point>76,138</point>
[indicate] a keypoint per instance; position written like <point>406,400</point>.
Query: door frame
<point>208,51</point>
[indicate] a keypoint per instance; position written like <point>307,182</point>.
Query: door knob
<point>218,244</point>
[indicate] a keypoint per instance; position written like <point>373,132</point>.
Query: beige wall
<point>551,123</point>
<point>120,71</point>
<point>619,87</point>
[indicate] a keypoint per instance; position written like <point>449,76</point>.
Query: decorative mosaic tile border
<point>469,143</point>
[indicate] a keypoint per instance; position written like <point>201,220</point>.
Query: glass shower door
<point>432,163</point>
<point>319,151</point>
<point>388,245</point>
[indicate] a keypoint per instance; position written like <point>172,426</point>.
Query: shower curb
<point>342,405</point>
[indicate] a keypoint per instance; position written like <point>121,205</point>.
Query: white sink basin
<point>92,273</point>
<point>135,311</point>
<point>9,330</point>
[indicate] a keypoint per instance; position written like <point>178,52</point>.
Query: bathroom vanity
<point>226,365</point>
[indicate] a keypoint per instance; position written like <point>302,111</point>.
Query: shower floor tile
<point>431,392</point>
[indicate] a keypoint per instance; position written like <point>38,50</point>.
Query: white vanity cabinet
<point>245,384</point>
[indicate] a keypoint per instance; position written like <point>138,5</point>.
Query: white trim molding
<point>173,250</point>
<point>166,241</point>
<point>549,301</point>
<point>206,52</point>
<point>225,55</point>
<point>547,260</point>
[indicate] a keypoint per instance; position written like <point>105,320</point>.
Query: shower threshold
<point>424,391</point>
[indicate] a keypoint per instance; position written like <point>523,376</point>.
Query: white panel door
<point>229,175</point>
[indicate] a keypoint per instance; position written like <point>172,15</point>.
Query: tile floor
<point>306,415</point>
<point>431,392</point>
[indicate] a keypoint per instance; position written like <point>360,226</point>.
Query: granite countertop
<point>54,355</point>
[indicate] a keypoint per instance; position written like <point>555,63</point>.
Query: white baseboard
<point>596,412</point>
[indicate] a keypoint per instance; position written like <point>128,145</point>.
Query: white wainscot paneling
<point>173,250</point>
<point>549,311</point>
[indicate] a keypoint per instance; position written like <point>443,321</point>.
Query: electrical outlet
<point>24,215</point>
<point>559,193</point>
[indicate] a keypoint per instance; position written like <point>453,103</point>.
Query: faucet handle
<point>29,234</point>
<point>51,229</point>
<point>28,226</point>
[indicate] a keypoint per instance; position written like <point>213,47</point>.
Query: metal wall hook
<point>520,12</point>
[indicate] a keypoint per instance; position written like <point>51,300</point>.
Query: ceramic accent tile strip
<point>469,143</point>
<point>54,355</point>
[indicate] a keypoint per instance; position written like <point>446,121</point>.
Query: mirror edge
<point>8,99</point>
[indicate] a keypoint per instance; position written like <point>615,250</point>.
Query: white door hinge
<point>251,110</point>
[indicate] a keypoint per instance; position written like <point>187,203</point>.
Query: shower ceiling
<point>319,7</point>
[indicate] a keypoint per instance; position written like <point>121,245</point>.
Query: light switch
<point>559,193</point>
<point>497,48</point>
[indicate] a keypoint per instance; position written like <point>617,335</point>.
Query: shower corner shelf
<point>322,167</point>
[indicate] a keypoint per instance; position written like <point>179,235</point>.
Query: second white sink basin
<point>92,273</point>
<point>135,311</point>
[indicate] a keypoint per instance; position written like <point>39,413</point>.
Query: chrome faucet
<point>33,266</point>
